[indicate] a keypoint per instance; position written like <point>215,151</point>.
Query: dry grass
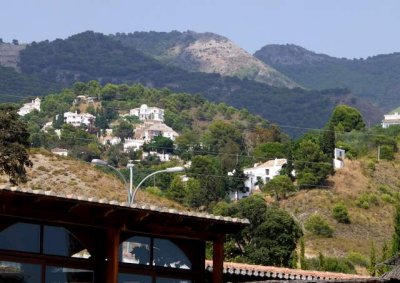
<point>65,175</point>
<point>367,225</point>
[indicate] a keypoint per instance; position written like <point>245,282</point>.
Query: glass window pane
<point>172,280</point>
<point>59,241</point>
<point>133,278</point>
<point>68,275</point>
<point>19,272</point>
<point>135,250</point>
<point>24,237</point>
<point>167,254</point>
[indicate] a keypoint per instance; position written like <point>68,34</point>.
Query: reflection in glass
<point>68,275</point>
<point>15,272</point>
<point>167,254</point>
<point>133,278</point>
<point>59,241</point>
<point>172,280</point>
<point>135,250</point>
<point>22,237</point>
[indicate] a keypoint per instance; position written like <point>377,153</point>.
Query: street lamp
<point>168,170</point>
<point>130,166</point>
<point>132,195</point>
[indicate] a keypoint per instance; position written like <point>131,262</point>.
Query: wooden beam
<point>218,259</point>
<point>112,255</point>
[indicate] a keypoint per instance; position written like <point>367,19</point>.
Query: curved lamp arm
<point>168,170</point>
<point>103,163</point>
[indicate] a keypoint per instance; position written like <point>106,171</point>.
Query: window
<point>140,250</point>
<point>37,240</point>
<point>20,272</point>
<point>22,237</point>
<point>266,171</point>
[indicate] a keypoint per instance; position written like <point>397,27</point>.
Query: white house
<point>148,130</point>
<point>260,171</point>
<point>148,113</point>
<point>390,120</point>
<point>110,139</point>
<point>77,120</point>
<point>133,144</point>
<point>164,157</point>
<point>60,151</point>
<point>338,160</point>
<point>29,107</point>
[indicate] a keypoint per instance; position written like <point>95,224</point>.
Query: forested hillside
<point>375,78</point>
<point>86,56</point>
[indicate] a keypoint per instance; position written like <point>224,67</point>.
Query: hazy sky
<point>342,28</point>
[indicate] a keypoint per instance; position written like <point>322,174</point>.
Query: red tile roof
<point>272,272</point>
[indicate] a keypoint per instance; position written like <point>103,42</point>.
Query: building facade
<point>148,113</point>
<point>390,120</point>
<point>29,107</point>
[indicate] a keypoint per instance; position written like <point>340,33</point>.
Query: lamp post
<point>168,170</point>
<point>130,165</point>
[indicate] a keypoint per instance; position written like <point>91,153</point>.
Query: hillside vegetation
<point>374,78</point>
<point>49,66</point>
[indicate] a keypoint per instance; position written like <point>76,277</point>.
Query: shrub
<point>366,200</point>
<point>318,226</point>
<point>340,213</point>
<point>357,259</point>
<point>154,191</point>
<point>387,152</point>
<point>332,264</point>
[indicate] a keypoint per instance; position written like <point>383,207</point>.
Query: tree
<point>124,130</point>
<point>236,181</point>
<point>328,140</point>
<point>318,226</point>
<point>311,164</point>
<point>396,233</point>
<point>270,150</point>
<point>15,42</point>
<point>346,118</point>
<point>160,144</point>
<point>271,237</point>
<point>14,142</point>
<point>280,186</point>
<point>341,214</point>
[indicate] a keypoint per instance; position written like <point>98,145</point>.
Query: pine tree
<point>328,140</point>
<point>396,233</point>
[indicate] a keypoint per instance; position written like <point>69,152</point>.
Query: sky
<point>340,28</point>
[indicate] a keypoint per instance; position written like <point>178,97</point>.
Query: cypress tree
<point>396,233</point>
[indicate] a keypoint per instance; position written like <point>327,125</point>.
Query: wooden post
<point>112,255</point>
<point>218,259</point>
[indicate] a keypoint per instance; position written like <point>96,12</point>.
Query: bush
<point>318,226</point>
<point>332,264</point>
<point>387,152</point>
<point>340,213</point>
<point>366,200</point>
<point>357,259</point>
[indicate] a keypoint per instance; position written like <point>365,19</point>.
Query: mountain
<point>376,79</point>
<point>49,66</point>
<point>9,55</point>
<point>204,52</point>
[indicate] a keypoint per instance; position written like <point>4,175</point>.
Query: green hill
<point>375,78</point>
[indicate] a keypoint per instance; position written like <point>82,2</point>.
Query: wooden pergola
<point>102,225</point>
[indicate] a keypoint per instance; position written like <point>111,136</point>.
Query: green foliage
<point>331,264</point>
<point>366,200</point>
<point>387,152</point>
<point>396,233</point>
<point>177,190</point>
<point>340,213</point>
<point>357,259</point>
<point>270,150</point>
<point>271,237</point>
<point>311,164</point>
<point>14,142</point>
<point>346,118</point>
<point>318,226</point>
<point>160,144</point>
<point>280,186</point>
<point>124,130</point>
<point>372,260</point>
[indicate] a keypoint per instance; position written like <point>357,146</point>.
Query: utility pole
<point>379,152</point>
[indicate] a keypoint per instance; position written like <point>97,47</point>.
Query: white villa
<point>29,107</point>
<point>150,129</point>
<point>390,120</point>
<point>338,160</point>
<point>260,171</point>
<point>148,113</point>
<point>133,144</point>
<point>111,140</point>
<point>77,120</point>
